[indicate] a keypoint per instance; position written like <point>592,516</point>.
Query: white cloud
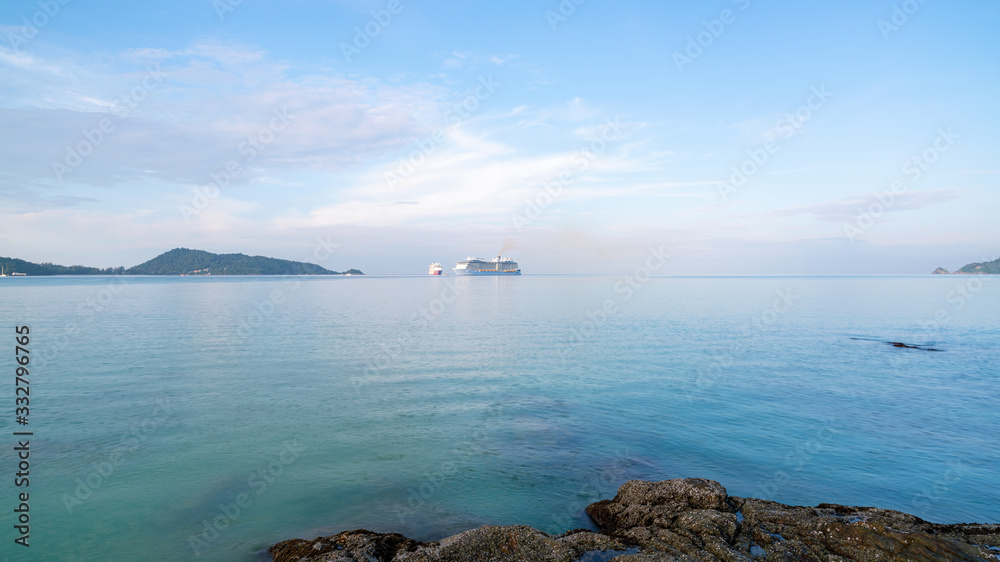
<point>501,60</point>
<point>847,210</point>
<point>212,97</point>
<point>472,60</point>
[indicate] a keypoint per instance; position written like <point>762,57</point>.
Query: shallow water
<point>431,405</point>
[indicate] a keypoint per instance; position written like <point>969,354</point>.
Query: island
<point>16,267</point>
<point>979,268</point>
<point>182,261</point>
<point>682,519</point>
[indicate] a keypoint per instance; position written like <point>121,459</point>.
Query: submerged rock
<point>900,344</point>
<point>689,519</point>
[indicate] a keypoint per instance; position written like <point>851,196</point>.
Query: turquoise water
<point>216,416</point>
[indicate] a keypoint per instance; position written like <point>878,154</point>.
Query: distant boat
<point>477,266</point>
<point>18,274</point>
<point>435,269</point>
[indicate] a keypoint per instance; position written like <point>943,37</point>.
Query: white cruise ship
<point>478,266</point>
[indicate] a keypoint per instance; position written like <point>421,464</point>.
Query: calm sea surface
<point>216,416</point>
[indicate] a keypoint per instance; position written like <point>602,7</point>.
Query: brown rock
<point>349,546</point>
<point>689,519</point>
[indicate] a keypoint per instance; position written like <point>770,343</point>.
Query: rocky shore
<point>686,519</point>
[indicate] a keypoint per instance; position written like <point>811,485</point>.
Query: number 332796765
<point>22,358</point>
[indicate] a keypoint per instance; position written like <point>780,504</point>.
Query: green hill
<point>992,267</point>
<point>14,265</point>
<point>182,261</point>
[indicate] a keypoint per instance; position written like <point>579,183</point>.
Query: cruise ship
<point>478,266</point>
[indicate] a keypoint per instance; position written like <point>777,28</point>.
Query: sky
<point>742,137</point>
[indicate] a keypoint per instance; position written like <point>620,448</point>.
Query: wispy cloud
<point>847,209</point>
<point>793,170</point>
<point>471,60</point>
<point>212,99</point>
<point>476,177</point>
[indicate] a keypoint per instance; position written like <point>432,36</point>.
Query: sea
<point>207,418</point>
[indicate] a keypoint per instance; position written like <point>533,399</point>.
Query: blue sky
<point>573,137</point>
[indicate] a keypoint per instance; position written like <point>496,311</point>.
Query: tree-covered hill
<point>985,267</point>
<point>182,261</point>
<point>14,265</point>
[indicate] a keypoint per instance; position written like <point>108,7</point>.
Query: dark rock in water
<point>908,346</point>
<point>495,543</point>
<point>689,519</point>
<point>900,344</point>
<point>349,545</point>
<point>836,532</point>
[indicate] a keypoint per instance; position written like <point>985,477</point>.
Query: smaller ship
<point>435,269</point>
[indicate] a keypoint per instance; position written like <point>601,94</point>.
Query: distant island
<point>181,261</point>
<point>989,268</point>
<point>13,266</point>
